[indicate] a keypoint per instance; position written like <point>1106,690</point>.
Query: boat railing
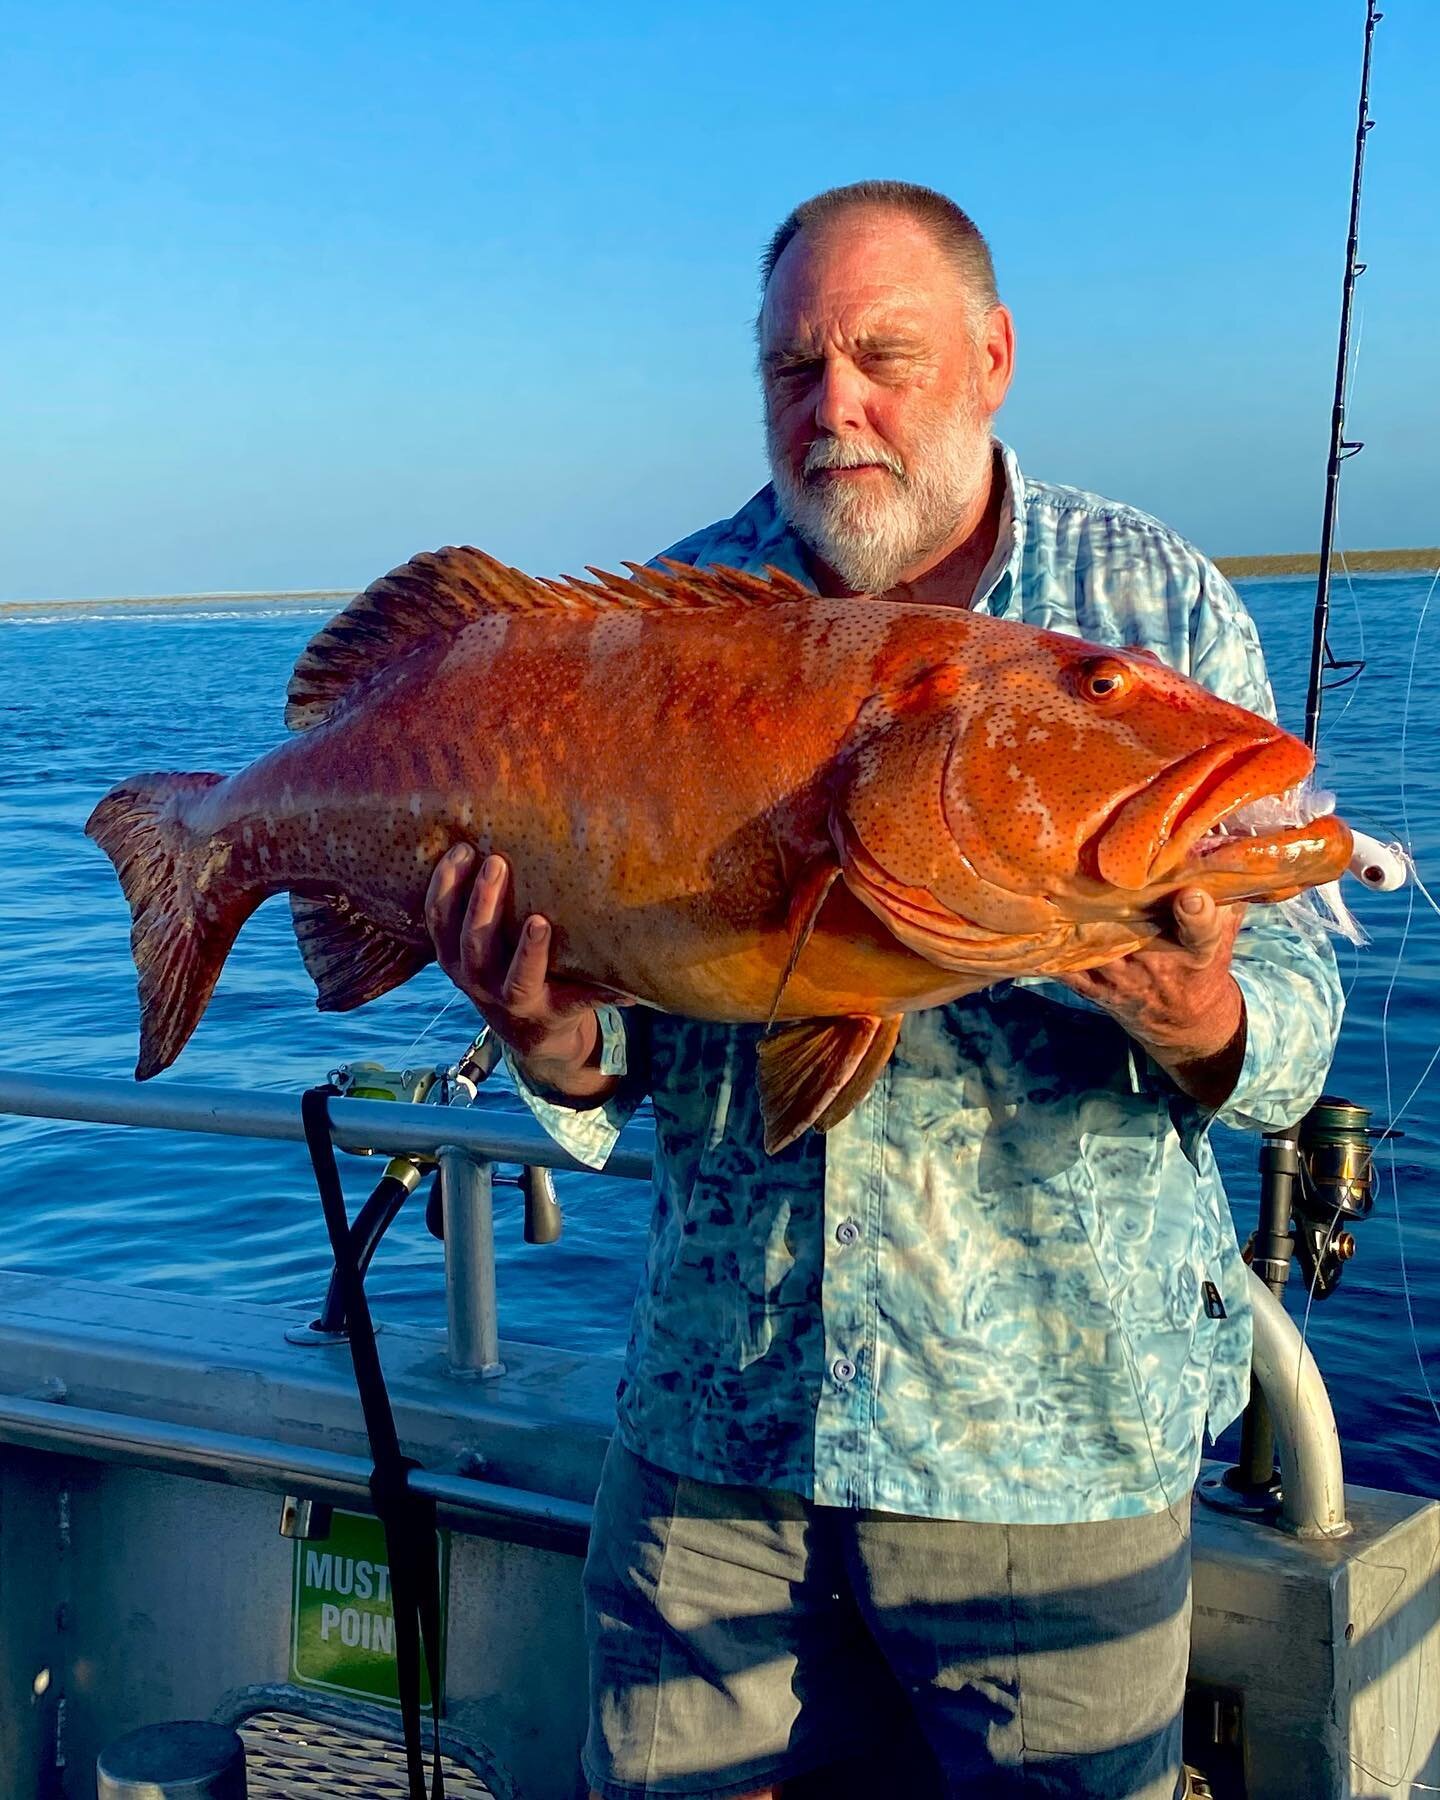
<point>470,1141</point>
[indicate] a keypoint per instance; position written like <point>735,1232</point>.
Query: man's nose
<point>840,398</point>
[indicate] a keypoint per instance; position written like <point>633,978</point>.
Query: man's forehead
<point>861,319</point>
<point>868,270</point>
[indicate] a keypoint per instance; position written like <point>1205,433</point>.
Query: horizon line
<point>1300,562</point>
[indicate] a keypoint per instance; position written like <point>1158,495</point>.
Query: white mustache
<point>847,453</point>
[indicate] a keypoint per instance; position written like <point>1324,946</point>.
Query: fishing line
<point>425,1030</point>
<point>1393,1118</point>
<point>1392,1115</point>
<point>1401,1574</point>
<point>1305,1182</point>
<point>1415,881</point>
<point>1132,1369</point>
<point>1359,633</point>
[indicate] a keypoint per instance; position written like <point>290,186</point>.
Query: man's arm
<point>564,1045</point>
<point>1239,1006</point>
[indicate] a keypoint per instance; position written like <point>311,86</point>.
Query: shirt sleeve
<point>589,1133</point>
<point>1288,976</point>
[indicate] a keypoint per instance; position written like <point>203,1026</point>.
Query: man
<point>911,1412</point>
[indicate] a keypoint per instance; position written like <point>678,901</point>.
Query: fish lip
<point>1153,825</point>
<point>1151,840</point>
<point>1251,772</point>
<point>1251,863</point>
<point>1190,801</point>
<point>1269,864</point>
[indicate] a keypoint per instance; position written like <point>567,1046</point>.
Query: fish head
<point>1066,790</point>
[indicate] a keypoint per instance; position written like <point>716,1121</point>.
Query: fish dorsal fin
<point>438,593</point>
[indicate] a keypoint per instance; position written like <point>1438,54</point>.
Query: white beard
<point>870,539</point>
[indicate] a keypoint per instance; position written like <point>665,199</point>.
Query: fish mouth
<point>1236,861</point>
<point>1229,819</point>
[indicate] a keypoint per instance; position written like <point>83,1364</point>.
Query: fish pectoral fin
<point>817,1071</point>
<point>809,896</point>
<point>350,958</point>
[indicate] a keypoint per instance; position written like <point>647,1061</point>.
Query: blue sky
<point>295,290</point>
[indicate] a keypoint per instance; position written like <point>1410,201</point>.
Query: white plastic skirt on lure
<point>1380,866</point>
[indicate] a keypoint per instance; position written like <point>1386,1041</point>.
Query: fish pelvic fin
<point>817,1071</point>
<point>185,909</point>
<point>437,594</point>
<point>351,959</point>
<point>809,896</point>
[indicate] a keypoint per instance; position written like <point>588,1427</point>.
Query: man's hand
<point>1178,999</point>
<point>550,1026</point>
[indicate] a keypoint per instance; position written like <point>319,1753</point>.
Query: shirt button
<point>847,1232</point>
<point>843,1371</point>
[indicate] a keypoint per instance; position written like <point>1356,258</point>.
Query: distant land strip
<point>223,599</point>
<point>1358,562</point>
<point>1305,562</point>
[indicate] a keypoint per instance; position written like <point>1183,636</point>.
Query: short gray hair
<point>952,228</point>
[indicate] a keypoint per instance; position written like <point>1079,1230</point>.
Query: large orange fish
<point>735,801</point>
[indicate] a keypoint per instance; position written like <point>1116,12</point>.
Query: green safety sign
<point>342,1618</point>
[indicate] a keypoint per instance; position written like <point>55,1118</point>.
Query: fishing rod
<point>1317,1176</point>
<point>1322,661</point>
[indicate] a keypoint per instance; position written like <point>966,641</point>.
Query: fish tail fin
<point>185,908</point>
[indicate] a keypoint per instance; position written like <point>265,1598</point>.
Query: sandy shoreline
<point>122,601</point>
<point>1358,562</point>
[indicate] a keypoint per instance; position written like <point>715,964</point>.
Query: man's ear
<point>997,358</point>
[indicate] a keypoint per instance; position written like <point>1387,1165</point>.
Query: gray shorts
<point>742,1636</point>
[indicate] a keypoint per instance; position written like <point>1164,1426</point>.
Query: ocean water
<point>91,695</point>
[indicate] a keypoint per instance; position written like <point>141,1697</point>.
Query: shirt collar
<point>999,583</point>
<point>777,544</point>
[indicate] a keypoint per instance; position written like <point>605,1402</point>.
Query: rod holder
<point>470,1306</point>
<point>1310,1499</point>
<point>184,1759</point>
<point>543,1217</point>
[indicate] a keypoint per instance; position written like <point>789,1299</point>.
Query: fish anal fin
<point>806,900</point>
<point>817,1071</point>
<point>867,1072</point>
<point>437,594</point>
<point>350,958</point>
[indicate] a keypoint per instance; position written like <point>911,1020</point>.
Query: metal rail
<point>470,1140</point>
<point>482,1507</point>
<point>486,1133</point>
<point>1312,1476</point>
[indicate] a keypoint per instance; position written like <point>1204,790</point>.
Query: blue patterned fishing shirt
<point>1007,1287</point>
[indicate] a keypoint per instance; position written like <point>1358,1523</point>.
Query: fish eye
<point>1102,680</point>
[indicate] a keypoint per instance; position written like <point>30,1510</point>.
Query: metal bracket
<point>470,1305</point>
